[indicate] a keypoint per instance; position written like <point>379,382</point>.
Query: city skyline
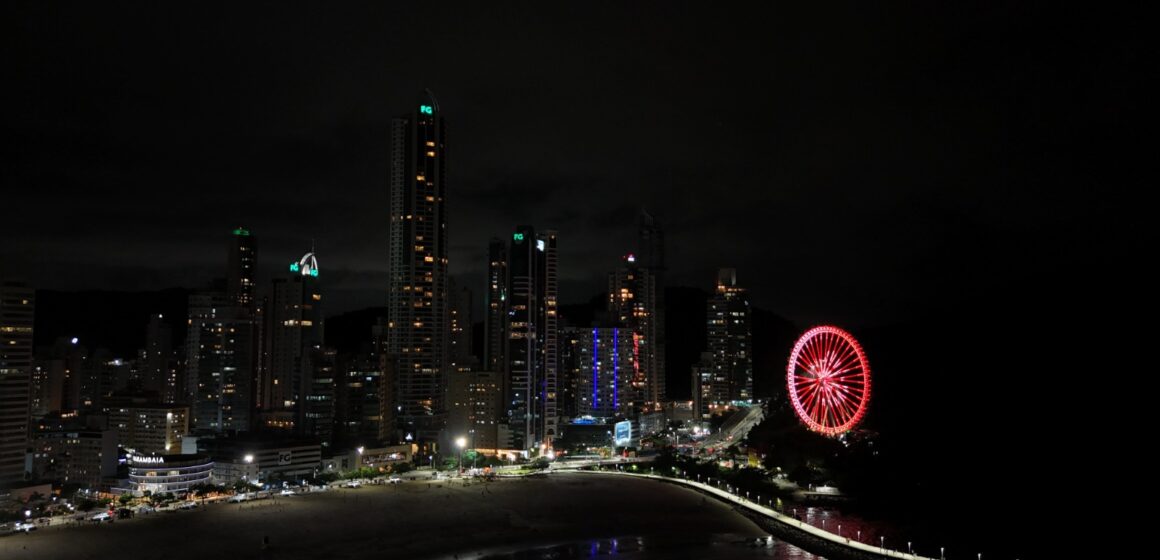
<point>841,261</point>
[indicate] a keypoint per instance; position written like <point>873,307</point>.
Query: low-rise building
<point>168,473</point>
<point>372,457</point>
<point>84,457</point>
<point>276,459</point>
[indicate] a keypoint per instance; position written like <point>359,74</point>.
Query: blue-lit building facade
<point>605,359</point>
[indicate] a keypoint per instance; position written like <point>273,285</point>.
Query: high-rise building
<point>532,351</point>
<point>44,389</point>
<point>219,363</point>
<point>702,372</point>
<point>417,314</point>
<point>17,302</point>
<point>157,374</point>
<point>318,408</point>
<point>632,305</point>
<point>385,384</point>
<point>460,352</point>
<point>650,257</point>
<point>148,428</point>
<point>357,413</point>
<point>223,347</point>
<point>570,370</point>
<point>606,364</point>
<point>495,323</point>
<point>474,399</point>
<point>242,267</point>
<point>729,340</point>
<point>296,336</point>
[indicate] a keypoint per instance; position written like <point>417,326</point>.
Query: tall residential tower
<point>532,332</point>
<point>730,344</point>
<point>417,314</point>
<point>16,305</point>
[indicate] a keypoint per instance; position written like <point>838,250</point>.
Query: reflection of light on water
<point>708,547</point>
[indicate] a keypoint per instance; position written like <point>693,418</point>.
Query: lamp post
<point>461,442</point>
<point>882,542</point>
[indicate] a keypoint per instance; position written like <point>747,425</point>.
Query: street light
<point>882,542</point>
<point>909,550</point>
<point>461,442</point>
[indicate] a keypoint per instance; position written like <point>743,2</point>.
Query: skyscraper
<point>219,363</point>
<point>532,360</point>
<point>157,371</point>
<point>461,324</point>
<point>632,305</point>
<point>17,302</point>
<point>636,302</point>
<point>243,262</point>
<point>650,256</point>
<point>606,363</point>
<point>495,323</point>
<point>729,340</point>
<point>417,315</point>
<point>296,335</point>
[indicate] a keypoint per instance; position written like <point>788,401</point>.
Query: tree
<point>125,499</point>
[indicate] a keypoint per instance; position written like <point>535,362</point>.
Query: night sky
<point>854,166</point>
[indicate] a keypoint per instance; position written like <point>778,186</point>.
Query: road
<point>579,514</point>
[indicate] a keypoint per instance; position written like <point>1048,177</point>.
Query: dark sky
<point>854,165</point>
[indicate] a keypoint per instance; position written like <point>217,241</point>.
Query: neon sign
<point>518,236</point>
<point>426,109</point>
<point>307,265</point>
<point>146,460</point>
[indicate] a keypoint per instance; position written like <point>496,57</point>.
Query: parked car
<point>103,516</point>
<point>353,484</point>
<point>187,505</point>
<point>287,492</point>
<point>394,479</point>
<point>238,498</point>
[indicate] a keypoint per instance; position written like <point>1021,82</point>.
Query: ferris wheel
<point>829,380</point>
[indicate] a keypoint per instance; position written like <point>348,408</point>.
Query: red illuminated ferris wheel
<point>829,380</point>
